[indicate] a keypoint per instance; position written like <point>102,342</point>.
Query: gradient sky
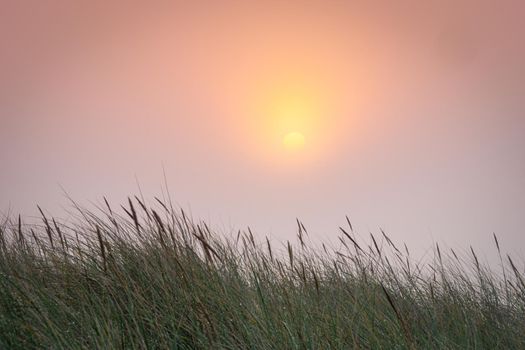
<point>413,113</point>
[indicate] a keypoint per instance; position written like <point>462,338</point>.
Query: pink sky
<point>417,125</point>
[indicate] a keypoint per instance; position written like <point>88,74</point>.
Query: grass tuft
<point>155,279</point>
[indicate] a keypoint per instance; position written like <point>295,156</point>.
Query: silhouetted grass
<point>152,278</point>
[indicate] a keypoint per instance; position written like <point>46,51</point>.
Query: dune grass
<point>144,277</point>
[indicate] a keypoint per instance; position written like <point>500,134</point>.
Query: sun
<point>294,141</point>
<point>288,115</point>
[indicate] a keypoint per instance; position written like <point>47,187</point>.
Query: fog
<point>415,114</point>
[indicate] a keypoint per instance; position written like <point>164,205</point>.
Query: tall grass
<point>152,278</point>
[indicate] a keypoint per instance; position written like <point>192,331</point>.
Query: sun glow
<point>294,141</point>
<point>293,108</point>
<point>289,111</point>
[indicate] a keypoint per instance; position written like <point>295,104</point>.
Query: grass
<point>151,278</point>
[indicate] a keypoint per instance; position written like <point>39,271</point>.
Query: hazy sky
<point>412,113</point>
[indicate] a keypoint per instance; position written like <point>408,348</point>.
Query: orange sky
<point>412,114</point>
